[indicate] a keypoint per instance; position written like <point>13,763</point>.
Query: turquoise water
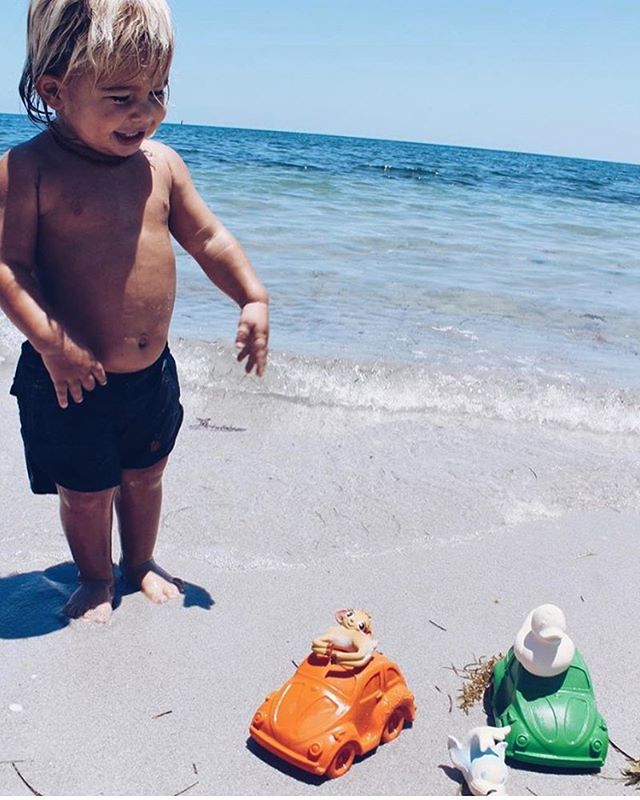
<point>413,276</point>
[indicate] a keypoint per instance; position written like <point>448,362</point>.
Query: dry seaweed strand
<point>25,781</point>
<point>632,772</point>
<point>620,750</point>
<point>182,791</point>
<point>477,677</point>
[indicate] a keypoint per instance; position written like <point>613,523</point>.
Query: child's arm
<point>72,367</point>
<point>219,254</point>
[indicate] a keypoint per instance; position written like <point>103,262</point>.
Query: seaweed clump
<point>477,678</point>
<point>632,774</point>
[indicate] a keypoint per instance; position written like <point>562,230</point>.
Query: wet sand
<point>276,514</point>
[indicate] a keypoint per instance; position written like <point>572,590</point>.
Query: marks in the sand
<point>313,556</point>
<point>231,560</point>
<point>170,514</point>
<point>424,542</point>
<point>205,422</point>
<point>236,560</point>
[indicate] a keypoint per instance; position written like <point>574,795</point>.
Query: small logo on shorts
<point>154,446</point>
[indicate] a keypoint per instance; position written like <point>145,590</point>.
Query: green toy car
<point>554,721</point>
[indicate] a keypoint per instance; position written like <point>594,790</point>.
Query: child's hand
<point>253,336</point>
<point>72,370</point>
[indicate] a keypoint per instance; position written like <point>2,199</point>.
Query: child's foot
<point>91,601</point>
<point>153,581</point>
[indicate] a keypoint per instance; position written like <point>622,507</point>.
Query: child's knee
<point>145,479</point>
<point>85,502</point>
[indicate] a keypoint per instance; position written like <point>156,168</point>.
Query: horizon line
<point>178,123</point>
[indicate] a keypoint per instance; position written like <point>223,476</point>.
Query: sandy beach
<point>276,514</point>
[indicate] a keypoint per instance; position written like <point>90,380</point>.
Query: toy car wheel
<point>342,761</point>
<point>394,724</point>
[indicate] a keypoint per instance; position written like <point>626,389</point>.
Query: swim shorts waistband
<point>114,377</point>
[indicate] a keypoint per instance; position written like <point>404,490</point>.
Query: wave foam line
<point>516,397</point>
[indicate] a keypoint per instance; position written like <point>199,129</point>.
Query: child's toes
<point>169,590</point>
<point>99,615</point>
<point>158,588</point>
<point>91,602</point>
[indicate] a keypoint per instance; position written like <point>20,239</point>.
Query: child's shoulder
<point>26,158</point>
<point>161,151</point>
<point>31,149</point>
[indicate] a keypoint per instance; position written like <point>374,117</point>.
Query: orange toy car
<point>327,714</point>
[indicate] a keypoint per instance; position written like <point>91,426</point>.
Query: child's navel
<point>143,341</point>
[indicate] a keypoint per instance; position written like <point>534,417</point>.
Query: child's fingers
<point>99,374</point>
<point>75,390</point>
<point>260,351</point>
<point>61,393</point>
<point>257,358</point>
<point>252,343</point>
<point>260,361</point>
<point>260,343</point>
<point>242,334</point>
<point>88,382</point>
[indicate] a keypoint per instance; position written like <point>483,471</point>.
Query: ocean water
<point>414,277</point>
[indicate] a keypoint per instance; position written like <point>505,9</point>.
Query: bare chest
<point>79,201</point>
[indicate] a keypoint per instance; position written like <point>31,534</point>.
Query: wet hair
<point>105,37</point>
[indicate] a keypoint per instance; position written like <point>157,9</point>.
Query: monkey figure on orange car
<point>350,642</point>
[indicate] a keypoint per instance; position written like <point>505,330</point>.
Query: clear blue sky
<point>547,76</point>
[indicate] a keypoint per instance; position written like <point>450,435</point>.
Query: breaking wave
<point>403,388</point>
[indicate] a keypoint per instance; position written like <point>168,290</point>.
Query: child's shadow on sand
<point>31,602</point>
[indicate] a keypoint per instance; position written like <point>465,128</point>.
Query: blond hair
<point>105,37</point>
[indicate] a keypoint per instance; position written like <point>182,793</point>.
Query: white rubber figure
<point>542,645</point>
<point>480,759</point>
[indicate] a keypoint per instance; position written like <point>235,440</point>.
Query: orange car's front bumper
<point>273,746</point>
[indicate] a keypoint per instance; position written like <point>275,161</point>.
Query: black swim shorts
<point>130,423</point>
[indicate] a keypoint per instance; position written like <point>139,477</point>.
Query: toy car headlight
<point>315,751</point>
<point>596,746</point>
<point>258,719</point>
<point>522,740</point>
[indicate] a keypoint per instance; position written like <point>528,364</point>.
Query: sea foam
<point>392,388</point>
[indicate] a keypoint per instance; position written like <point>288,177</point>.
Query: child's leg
<point>86,520</point>
<point>138,502</point>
